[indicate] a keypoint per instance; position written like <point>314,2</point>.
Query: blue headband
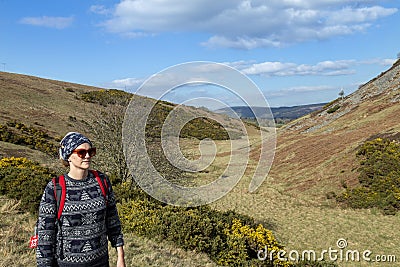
<point>70,142</point>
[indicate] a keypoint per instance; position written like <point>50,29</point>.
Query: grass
<point>42,102</point>
<point>15,231</point>
<point>144,252</point>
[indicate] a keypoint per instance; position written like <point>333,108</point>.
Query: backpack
<point>60,193</point>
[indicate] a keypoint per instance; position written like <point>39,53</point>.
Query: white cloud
<point>100,9</point>
<point>359,15</point>
<point>301,95</point>
<point>326,68</point>
<point>323,68</point>
<point>49,22</point>
<point>128,84</point>
<point>248,24</point>
<point>251,67</point>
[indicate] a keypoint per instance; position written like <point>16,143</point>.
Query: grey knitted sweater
<point>86,223</point>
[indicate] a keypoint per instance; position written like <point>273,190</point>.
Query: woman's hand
<point>121,259</point>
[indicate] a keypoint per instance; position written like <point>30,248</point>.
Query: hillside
<point>49,104</point>
<point>317,152</point>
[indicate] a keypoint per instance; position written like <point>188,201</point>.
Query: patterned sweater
<point>86,222</point>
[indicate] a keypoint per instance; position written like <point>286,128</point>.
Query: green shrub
<point>227,237</point>
<point>379,177</point>
<point>107,97</point>
<point>333,109</point>
<point>20,134</point>
<point>199,128</point>
<point>24,180</point>
<point>330,104</point>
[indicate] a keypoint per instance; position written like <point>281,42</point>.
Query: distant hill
<point>279,113</point>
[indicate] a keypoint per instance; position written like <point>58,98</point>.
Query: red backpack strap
<point>103,184</point>
<point>59,194</point>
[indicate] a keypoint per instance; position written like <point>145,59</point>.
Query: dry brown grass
<point>15,231</point>
<point>42,103</point>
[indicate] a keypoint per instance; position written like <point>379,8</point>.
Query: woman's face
<point>75,161</point>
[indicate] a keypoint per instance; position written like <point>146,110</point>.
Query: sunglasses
<point>83,152</point>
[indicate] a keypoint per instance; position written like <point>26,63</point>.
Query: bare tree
<point>107,128</point>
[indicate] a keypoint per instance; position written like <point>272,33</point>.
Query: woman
<point>89,216</point>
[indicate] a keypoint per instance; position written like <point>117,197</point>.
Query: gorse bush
<point>24,180</point>
<point>333,109</point>
<point>229,238</point>
<point>199,128</point>
<point>243,243</point>
<point>379,177</point>
<point>18,133</point>
<point>107,97</point>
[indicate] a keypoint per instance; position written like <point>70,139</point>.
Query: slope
<point>50,105</point>
<point>317,152</point>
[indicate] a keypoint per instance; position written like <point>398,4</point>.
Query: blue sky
<point>295,51</point>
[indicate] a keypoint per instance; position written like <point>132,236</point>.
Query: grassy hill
<point>56,106</point>
<point>324,142</point>
<point>50,105</point>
